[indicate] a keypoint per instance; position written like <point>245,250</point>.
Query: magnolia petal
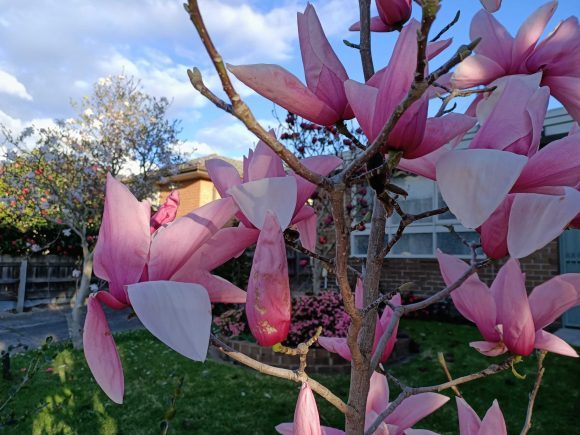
<point>256,198</point>
<point>474,182</point>
<point>476,70</point>
<point>123,243</point>
<point>394,12</point>
<point>219,289</point>
<point>336,345</point>
<point>268,305</point>
<point>496,42</point>
<point>435,48</point>
<point>223,175</point>
<point>530,32</point>
<point>377,25</point>
<point>178,314</point>
<point>265,163</point>
<point>536,219</point>
<point>473,299</point>
<point>513,308</point>
<point>362,100</point>
<point>567,91</point>
<point>283,88</point>
<point>490,6</point>
<point>415,408</point>
<point>167,212</point>
<point>226,244</point>
<point>378,396</point>
<point>440,131</point>
<point>322,165</point>
<point>489,349</point>
<point>424,166</point>
<point>554,344</point>
<point>469,422</point>
<point>288,429</point>
<point>557,164</point>
<point>493,422</point>
<point>325,74</point>
<point>306,419</point>
<point>550,300</point>
<point>307,230</point>
<point>494,231</point>
<point>101,352</point>
<point>173,245</point>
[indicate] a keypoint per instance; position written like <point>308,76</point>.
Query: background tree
<point>119,129</point>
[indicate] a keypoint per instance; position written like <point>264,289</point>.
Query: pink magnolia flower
<point>339,344</point>
<point>399,422</point>
<point>507,318</point>
<point>517,197</point>
<point>471,424</point>
<point>373,103</point>
<point>491,5</point>
<point>323,100</point>
<point>128,252</point>
<point>500,54</point>
<point>392,15</point>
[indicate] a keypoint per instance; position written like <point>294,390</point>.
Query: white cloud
<point>11,86</point>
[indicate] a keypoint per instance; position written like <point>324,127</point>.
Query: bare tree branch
<point>540,354</point>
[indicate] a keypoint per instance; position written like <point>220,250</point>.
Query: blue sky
<point>53,51</point>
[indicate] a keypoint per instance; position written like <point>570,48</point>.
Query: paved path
<point>32,328</point>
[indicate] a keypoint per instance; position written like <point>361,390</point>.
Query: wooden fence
<point>26,282</point>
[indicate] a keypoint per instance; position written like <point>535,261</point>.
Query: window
<point>422,238</point>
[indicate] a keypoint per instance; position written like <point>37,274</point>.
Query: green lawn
<point>217,398</point>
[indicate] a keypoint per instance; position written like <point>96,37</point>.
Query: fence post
<point>22,286</point>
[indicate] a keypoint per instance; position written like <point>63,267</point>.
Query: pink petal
<point>218,289</point>
<point>415,408</point>
<point>550,300</point>
<point>223,175</point>
<point>537,219</point>
<point>496,43</point>
<point>554,344</point>
<point>513,309</point>
<point>469,422</point>
<point>473,299</point>
<point>256,198</point>
<point>476,70</point>
<point>557,164</point>
<point>378,397</point>
<point>322,165</point>
<point>394,12</point>
<point>440,131</point>
<point>288,429</point>
<point>517,107</point>
<point>226,244</point>
<point>362,100</point>
<point>283,88</point>
<point>424,166</point>
<point>489,349</point>
<point>530,32</point>
<point>567,91</point>
<point>377,25</point>
<point>325,74</point>
<point>474,182</point>
<point>123,244</point>
<point>494,230</point>
<point>491,6</point>
<point>307,230</point>
<point>493,422</point>
<point>177,313</point>
<point>419,432</point>
<point>268,303</point>
<point>383,429</point>
<point>336,345</point>
<point>101,352</point>
<point>381,329</point>
<point>306,419</point>
<point>173,245</point>
<point>435,48</point>
<point>265,163</point>
<point>166,212</point>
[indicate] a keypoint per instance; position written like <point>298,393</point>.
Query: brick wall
<point>193,194</point>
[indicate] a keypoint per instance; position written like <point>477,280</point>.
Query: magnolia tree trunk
<point>78,301</point>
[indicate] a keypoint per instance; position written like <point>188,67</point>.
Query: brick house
<point>413,257</point>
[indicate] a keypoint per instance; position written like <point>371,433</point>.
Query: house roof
<point>195,169</point>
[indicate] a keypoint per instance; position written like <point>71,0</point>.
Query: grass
<point>62,398</point>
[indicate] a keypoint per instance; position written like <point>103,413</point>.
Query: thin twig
<point>541,354</point>
<point>447,27</point>
<point>343,129</point>
<point>454,93</point>
<point>386,297</point>
<point>291,375</point>
<point>351,44</point>
<point>410,391</point>
<point>239,108</point>
<point>443,364</point>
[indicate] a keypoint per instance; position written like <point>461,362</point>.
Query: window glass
<point>414,244</point>
<point>420,197</point>
<point>451,244</point>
